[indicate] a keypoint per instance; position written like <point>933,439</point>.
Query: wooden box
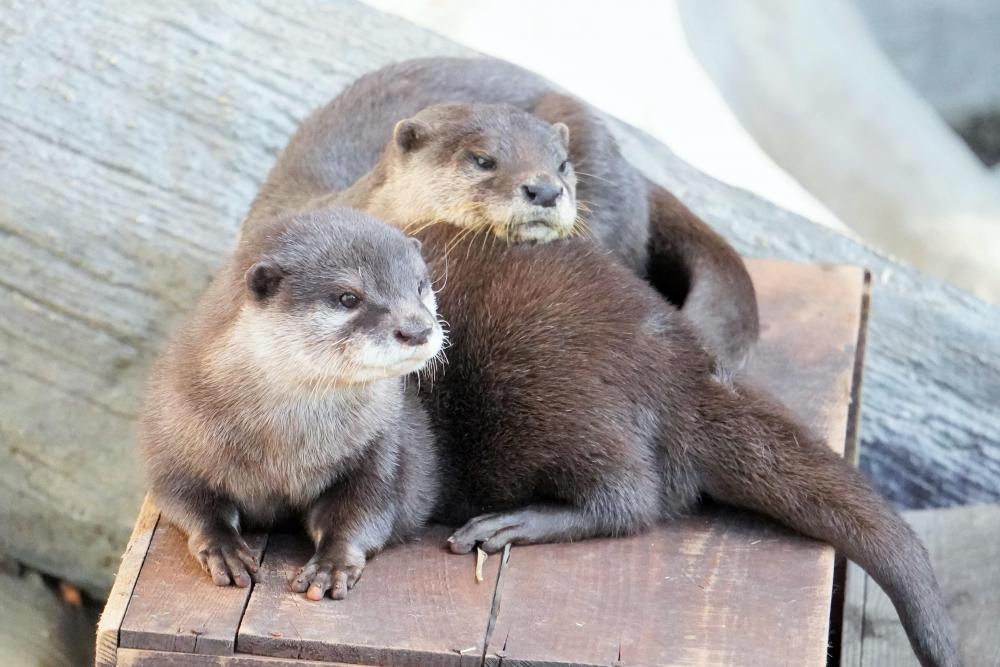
<point>719,587</point>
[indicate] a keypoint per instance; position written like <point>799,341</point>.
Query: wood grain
<point>132,139</point>
<point>964,545</point>
<point>130,657</point>
<point>176,607</point>
<point>416,604</point>
<point>717,588</point>
<point>722,587</point>
<point>125,580</point>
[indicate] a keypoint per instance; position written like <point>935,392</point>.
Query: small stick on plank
<point>480,562</point>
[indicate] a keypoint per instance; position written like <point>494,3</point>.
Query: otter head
<point>484,166</point>
<point>340,298</point>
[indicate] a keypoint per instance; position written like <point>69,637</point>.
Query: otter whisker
<point>600,178</point>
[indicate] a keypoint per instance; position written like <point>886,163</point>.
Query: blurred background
<point>133,137</point>
<point>878,117</point>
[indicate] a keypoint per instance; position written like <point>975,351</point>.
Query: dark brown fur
<point>578,404</point>
<point>648,229</point>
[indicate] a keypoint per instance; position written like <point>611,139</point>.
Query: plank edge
<point>106,653</point>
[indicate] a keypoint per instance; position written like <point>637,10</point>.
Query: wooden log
<point>132,140</point>
<point>964,545</point>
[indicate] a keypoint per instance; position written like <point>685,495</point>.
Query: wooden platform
<point>719,587</point>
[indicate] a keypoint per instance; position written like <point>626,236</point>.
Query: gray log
<point>964,545</point>
<point>132,139</point>
<point>38,628</point>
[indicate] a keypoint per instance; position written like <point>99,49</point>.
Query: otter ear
<point>263,279</point>
<point>563,130</point>
<point>416,242</point>
<point>410,134</point>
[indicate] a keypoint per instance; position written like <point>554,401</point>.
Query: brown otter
<point>643,225</point>
<point>577,403</point>
<point>283,398</point>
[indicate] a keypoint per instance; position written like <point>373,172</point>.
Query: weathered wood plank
<point>417,604</point>
<point>720,587</point>
<point>126,169</point>
<point>964,545</point>
<point>176,607</point>
<point>131,657</point>
<point>851,632</point>
<point>810,322</point>
<point>716,588</point>
<point>121,592</point>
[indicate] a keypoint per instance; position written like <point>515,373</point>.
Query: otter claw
<point>492,531</point>
<point>321,576</point>
<point>228,564</point>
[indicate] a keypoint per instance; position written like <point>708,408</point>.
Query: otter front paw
<point>226,558</point>
<point>494,531</point>
<point>334,570</point>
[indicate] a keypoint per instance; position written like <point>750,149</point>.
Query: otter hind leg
<point>533,524</point>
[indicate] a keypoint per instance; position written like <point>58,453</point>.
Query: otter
<point>578,403</point>
<point>283,399</point>
<point>643,225</point>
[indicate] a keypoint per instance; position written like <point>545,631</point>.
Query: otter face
<point>344,299</point>
<point>484,166</point>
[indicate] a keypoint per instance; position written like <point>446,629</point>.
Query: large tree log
<point>132,139</point>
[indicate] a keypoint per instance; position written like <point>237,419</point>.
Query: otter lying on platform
<point>283,398</point>
<point>643,225</point>
<point>577,403</point>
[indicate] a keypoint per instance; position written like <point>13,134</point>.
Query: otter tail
<point>758,458</point>
<point>697,269</point>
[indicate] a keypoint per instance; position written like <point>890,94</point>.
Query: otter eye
<point>484,162</point>
<point>349,300</point>
<point>562,167</point>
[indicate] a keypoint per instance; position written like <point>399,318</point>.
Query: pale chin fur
<point>531,224</point>
<point>381,360</point>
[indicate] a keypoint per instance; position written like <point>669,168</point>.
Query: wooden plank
<point>416,604</point>
<point>852,628</point>
<point>176,607</point>
<point>131,657</point>
<point>121,592</point>
<point>964,545</point>
<point>723,586</point>
<point>715,588</point>
<point>810,319</point>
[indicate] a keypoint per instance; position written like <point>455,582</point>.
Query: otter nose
<point>414,333</point>
<point>542,194</point>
